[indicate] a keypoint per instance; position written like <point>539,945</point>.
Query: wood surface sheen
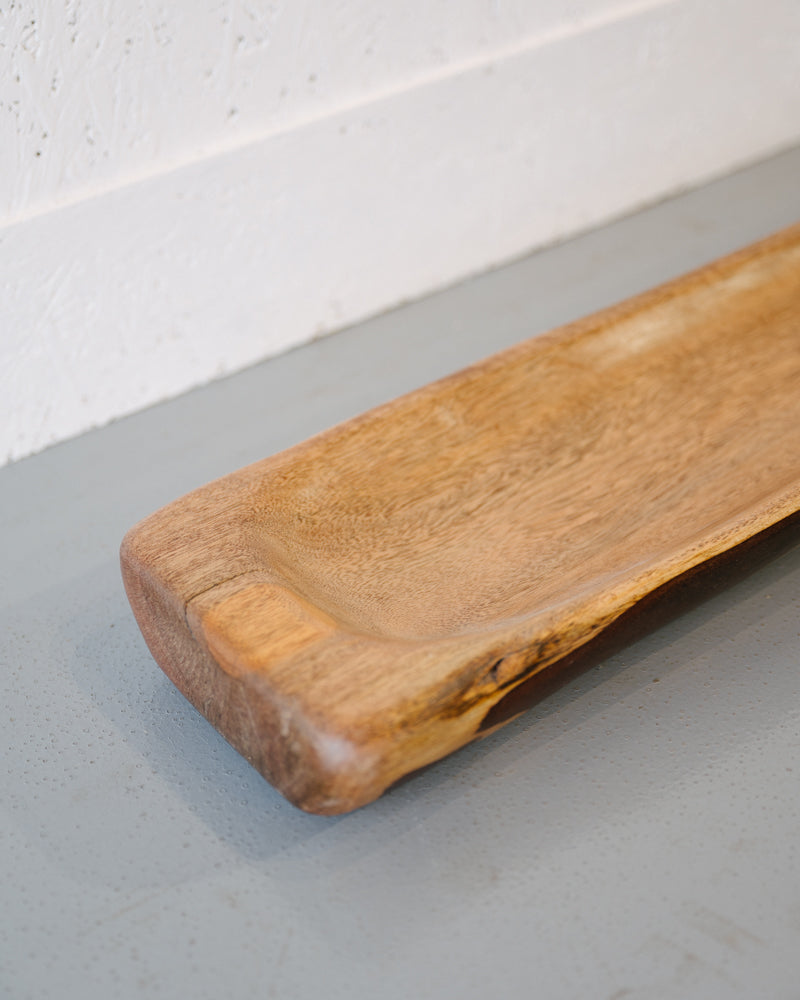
<point>354,608</point>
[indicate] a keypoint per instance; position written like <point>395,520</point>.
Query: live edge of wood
<point>350,610</point>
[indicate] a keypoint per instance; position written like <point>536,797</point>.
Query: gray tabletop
<point>636,835</point>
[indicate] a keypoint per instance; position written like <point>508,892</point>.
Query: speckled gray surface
<point>634,836</point>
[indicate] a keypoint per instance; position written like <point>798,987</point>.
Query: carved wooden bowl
<point>360,605</point>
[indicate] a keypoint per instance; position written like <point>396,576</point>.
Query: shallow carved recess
<point>360,605</point>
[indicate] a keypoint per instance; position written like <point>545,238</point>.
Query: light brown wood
<point>358,606</point>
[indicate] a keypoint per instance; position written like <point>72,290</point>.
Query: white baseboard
<point>137,294</point>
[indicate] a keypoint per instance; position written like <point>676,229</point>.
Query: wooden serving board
<point>354,608</point>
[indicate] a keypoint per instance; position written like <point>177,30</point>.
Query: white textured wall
<point>102,94</point>
<point>188,187</point>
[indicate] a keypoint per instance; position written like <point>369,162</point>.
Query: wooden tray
<point>361,605</point>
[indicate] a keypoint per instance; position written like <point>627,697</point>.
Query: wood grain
<point>357,607</point>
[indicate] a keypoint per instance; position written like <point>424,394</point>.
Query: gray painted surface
<point>634,836</point>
